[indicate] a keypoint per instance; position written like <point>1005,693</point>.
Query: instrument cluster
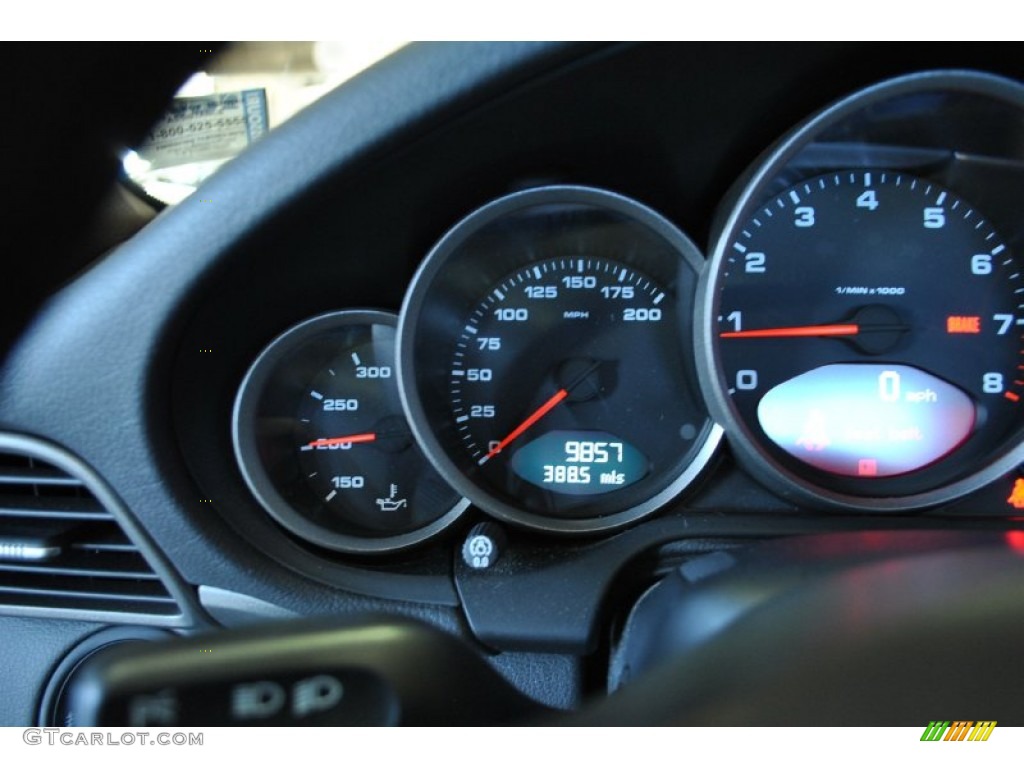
<point>568,361</point>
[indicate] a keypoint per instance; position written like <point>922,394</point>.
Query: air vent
<point>63,551</point>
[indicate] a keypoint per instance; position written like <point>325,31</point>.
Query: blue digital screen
<point>579,462</point>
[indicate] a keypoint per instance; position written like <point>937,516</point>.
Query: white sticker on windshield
<point>200,128</point>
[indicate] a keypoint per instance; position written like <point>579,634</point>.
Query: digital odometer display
<point>580,463</point>
<point>545,359</point>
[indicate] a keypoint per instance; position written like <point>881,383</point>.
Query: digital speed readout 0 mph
<point>579,463</point>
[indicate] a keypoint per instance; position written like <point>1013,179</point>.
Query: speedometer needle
<point>530,420</point>
<point>365,437</point>
<point>838,329</point>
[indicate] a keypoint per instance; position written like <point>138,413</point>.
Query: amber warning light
<point>963,324</point>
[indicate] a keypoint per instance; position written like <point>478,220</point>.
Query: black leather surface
<point>29,651</point>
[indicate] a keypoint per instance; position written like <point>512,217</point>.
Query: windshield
<point>247,89</point>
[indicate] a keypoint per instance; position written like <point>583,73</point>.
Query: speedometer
<point>545,362</point>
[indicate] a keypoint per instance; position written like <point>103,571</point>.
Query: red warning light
<point>868,468</point>
<point>1016,499</point>
<point>963,324</point>
<point>1016,540</point>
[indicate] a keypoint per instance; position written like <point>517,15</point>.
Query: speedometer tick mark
<point>794,197</point>
<point>316,395</point>
<point>867,179</point>
<point>940,199</point>
<point>998,249</point>
<point>739,247</point>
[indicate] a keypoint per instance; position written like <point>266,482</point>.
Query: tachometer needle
<point>530,420</point>
<point>838,329</point>
<point>365,437</point>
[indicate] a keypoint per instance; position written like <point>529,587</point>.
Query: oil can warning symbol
<point>392,503</point>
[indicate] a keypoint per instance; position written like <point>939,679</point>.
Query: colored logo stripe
<point>958,730</point>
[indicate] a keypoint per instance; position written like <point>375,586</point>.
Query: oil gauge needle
<point>365,437</point>
<point>530,420</point>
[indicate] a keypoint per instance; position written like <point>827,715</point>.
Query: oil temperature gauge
<point>322,443</point>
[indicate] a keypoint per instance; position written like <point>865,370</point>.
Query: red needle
<point>848,329</point>
<point>365,437</point>
<point>532,419</point>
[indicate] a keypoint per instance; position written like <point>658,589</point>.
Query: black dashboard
<point>653,162</point>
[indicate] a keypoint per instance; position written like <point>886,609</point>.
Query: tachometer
<point>862,328</point>
<point>545,361</point>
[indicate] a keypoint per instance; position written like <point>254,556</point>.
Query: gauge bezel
<point>420,289</point>
<point>243,438</point>
<point>747,194</point>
